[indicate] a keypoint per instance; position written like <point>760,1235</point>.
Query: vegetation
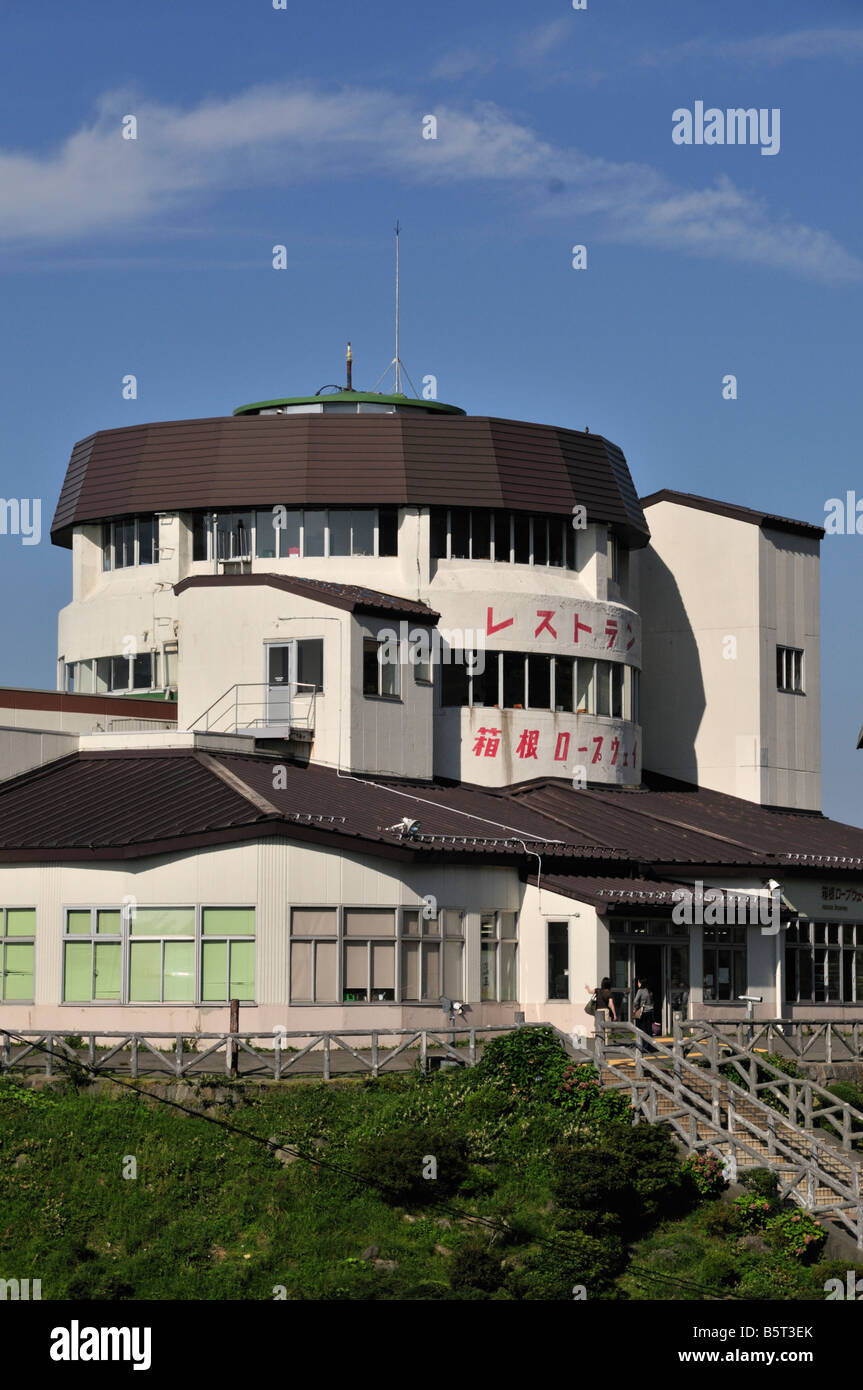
<point>520,1179</point>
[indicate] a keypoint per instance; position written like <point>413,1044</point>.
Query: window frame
<point>451,932</point>
<point>790,668</point>
<point>737,946</point>
<point>109,546</point>
<point>15,939</point>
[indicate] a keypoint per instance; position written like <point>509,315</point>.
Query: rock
<point>282,1155</point>
<point>445,1222</point>
<point>756,1243</point>
<point>370,1253</point>
<point>442,1250</point>
<point>411,1219</point>
<point>388,1265</point>
<point>21,1160</point>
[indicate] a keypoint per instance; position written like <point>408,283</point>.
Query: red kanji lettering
<point>597,752</point>
<point>561,751</point>
<point>491,626</point>
<point>631,642</point>
<point>545,626</point>
<point>610,632</point>
<point>487,743</point>
<point>579,627</point>
<point>528,744</point>
<point>615,749</point>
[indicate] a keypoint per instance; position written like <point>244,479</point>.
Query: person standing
<point>603,996</point>
<point>643,1008</point>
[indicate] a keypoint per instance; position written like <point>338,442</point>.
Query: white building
<point>421,749</point>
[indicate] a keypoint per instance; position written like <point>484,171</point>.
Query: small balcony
<point>285,711</point>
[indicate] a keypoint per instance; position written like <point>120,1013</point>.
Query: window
<point>789,670</point>
<point>459,533</point>
<point>824,963</point>
<point>420,958</point>
<point>452,928</point>
<point>314,955</point>
<point>105,675</point>
<point>369,955</point>
<point>534,680</point>
<point>310,662</point>
<point>233,535</point>
<point>148,955</point>
<point>17,952</point>
<point>388,531</point>
<point>227,954</point>
<point>724,963</point>
<point>162,955</point>
<point>613,553</point>
<point>171,657</point>
<point>381,668</point>
<point>558,960</point>
<point>498,948</point>
<point>421,659</point>
<point>134,541</point>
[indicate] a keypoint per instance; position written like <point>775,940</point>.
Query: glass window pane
<point>340,532</point>
<point>77,971</point>
<point>310,662</point>
<point>314,921</point>
<point>102,679</point>
<point>558,960</point>
<point>481,534</point>
<point>485,689</point>
<point>199,536</point>
<point>455,684</point>
<point>508,981</point>
<point>124,544</point>
<point>109,922</point>
<point>585,690</point>
<point>540,540</point>
<point>454,922</point>
<point>313,532</point>
<point>301,971</point>
<point>289,533</point>
<point>361,921</point>
<point>371,667</point>
<point>383,970</point>
<point>145,971</point>
<point>452,970</point>
<point>410,923</point>
<point>108,962</point>
<point>390,671</point>
<point>18,970</point>
<point>488,957</point>
<point>513,680</point>
<point>509,925</point>
<point>265,534</point>
<point>78,923</point>
<point>148,540</point>
<point>179,972</point>
<point>214,970</point>
<point>616,690</point>
<point>410,970</point>
<point>388,531</point>
<point>431,972</point>
<point>556,538</point>
<point>224,921</point>
<point>603,688</point>
<point>459,534</point>
<point>437,533</point>
<point>502,538</point>
<point>363,531</point>
<point>106,545</point>
<point>21,921</point>
<point>521,538</point>
<point>326,972</point>
<point>563,684</point>
<point>539,681</point>
<point>164,921</point>
<point>142,671</point>
<point>119,677</point>
<point>356,971</point>
<point>488,925</point>
<point>242,980</point>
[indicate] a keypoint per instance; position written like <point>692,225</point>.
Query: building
<point>437,716</point>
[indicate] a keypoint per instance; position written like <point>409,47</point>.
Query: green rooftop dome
<point>346,403</point>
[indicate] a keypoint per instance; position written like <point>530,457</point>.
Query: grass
<point>214,1215</point>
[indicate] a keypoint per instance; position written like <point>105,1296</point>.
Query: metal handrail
<point>230,699</point>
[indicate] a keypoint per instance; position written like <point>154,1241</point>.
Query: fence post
<point>639,1052</point>
<point>828,1043</point>
<point>374,1053</point>
<point>178,1064</point>
<point>846,1128</point>
<point>326,1056</point>
<point>49,1056</point>
<point>424,1042</point>
<point>471,1051</point>
<point>133,1056</point>
<point>234,1027</point>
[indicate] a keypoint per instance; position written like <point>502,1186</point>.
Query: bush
<point>529,1063</point>
<point>783,1064</point>
<point>475,1266</point>
<point>560,1267</point>
<point>706,1173</point>
<point>634,1173</point>
<point>593,1181</point>
<point>762,1182</point>
<point>721,1220</point>
<point>479,1182</point>
<point>394,1163</point>
<point>753,1212</point>
<point>797,1233</point>
<point>847,1091</point>
<point>579,1093</point>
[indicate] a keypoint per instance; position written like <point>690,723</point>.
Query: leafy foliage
<point>797,1233</point>
<point>528,1063</point>
<point>706,1173</point>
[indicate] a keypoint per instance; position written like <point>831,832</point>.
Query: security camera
<point>405,826</point>
<point>751,998</point>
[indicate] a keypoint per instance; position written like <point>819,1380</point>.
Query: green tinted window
<point>78,923</point>
<point>21,921</point>
<point>242,970</point>
<point>214,971</point>
<point>163,921</point>
<point>179,972</point>
<point>145,970</point>
<point>17,971</point>
<point>108,964</point>
<point>228,921</point>
<point>108,923</point>
<point>77,973</point>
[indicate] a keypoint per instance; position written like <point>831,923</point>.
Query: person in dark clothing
<point>643,1008</point>
<point>604,997</point>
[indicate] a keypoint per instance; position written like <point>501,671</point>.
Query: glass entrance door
<point>664,965</point>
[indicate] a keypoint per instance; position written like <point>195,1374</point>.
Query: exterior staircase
<point>722,1099</point>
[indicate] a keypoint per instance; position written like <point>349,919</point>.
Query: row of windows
<point>134,541</point>
<point>511,538</point>
<point>534,680</point>
<point>106,675</point>
<point>789,670</point>
<point>184,955</point>
<point>291,533</point>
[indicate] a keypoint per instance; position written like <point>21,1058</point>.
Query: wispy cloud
<point>800,45</point>
<point>97,183</point>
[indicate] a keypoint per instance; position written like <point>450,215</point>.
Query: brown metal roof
<point>763,519</point>
<point>118,706</point>
<point>320,460</point>
<point>618,896</point>
<point>123,804</point>
<point>352,597</point>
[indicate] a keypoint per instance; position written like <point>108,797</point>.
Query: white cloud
<point>769,49</point>
<point>98,183</point>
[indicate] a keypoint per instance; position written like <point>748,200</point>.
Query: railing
<point>136,1054</point>
<point>234,712</point>
<point>842,1042</point>
<point>718,1121</point>
<point>805,1102</point>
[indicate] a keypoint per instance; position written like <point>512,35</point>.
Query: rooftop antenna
<point>397,362</point>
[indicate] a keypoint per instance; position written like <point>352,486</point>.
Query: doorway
<point>280,662</point>
<point>663,964</point>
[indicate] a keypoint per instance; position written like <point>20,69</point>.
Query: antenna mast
<point>397,361</point>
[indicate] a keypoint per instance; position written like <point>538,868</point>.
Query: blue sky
<point>303,127</point>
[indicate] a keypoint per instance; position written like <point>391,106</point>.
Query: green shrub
<point>797,1233</point>
<point>528,1063</point>
<point>479,1182</point>
<point>847,1091</point>
<point>394,1163</point>
<point>74,1040</point>
<point>706,1173</point>
<point>567,1263</point>
<point>593,1180</point>
<point>762,1182</point>
<point>579,1093</point>
<point>475,1266</point>
<point>783,1064</point>
<point>753,1212</point>
<point>721,1220</point>
<point>632,1172</point>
